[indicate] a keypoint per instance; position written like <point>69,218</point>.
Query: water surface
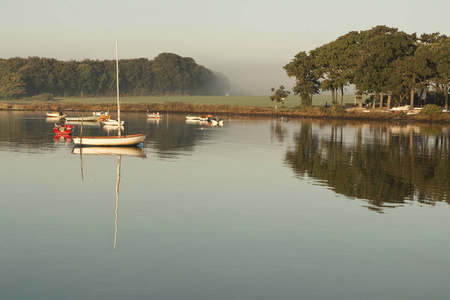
<point>256,209</point>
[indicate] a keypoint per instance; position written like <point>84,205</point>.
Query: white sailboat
<point>119,140</point>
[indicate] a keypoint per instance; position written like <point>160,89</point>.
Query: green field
<point>259,101</point>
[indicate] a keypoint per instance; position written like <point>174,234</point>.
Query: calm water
<point>256,209</point>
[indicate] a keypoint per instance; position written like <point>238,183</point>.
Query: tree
<point>441,59</point>
<point>12,86</point>
<point>279,95</point>
<point>307,83</point>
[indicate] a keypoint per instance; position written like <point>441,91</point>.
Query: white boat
<point>154,115</point>
<point>401,108</point>
<point>100,113</point>
<point>58,115</point>
<point>83,119</point>
<point>119,140</point>
<point>124,140</point>
<point>216,121</point>
<point>113,122</point>
<point>192,118</point>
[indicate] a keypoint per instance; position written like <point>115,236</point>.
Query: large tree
<point>307,81</point>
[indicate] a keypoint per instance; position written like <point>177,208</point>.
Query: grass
<point>221,105</point>
<point>258,101</point>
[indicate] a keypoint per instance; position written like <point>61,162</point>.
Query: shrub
<point>431,110</point>
<point>43,97</point>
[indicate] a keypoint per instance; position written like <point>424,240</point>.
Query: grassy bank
<point>258,101</point>
<point>252,106</point>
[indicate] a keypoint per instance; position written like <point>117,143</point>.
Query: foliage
<point>167,74</point>
<point>280,94</point>
<point>381,60</point>
<point>12,86</point>
<point>431,110</point>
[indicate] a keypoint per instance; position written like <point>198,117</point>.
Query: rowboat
<point>63,129</point>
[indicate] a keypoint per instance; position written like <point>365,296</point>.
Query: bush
<point>431,110</point>
<point>43,97</point>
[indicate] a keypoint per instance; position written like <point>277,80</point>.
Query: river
<point>253,209</point>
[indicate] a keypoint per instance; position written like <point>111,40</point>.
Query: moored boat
<point>119,140</point>
<point>63,129</point>
<point>154,115</point>
<point>192,118</point>
<point>124,140</point>
<point>58,115</point>
<point>83,119</point>
<point>113,122</point>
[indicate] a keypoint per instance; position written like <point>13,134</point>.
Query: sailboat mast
<point>117,83</point>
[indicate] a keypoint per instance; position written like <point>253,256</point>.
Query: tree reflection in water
<point>386,165</point>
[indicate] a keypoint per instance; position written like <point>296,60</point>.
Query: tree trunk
<point>342,96</point>
<point>411,101</point>
<point>360,101</point>
<point>446,98</point>
<point>381,99</point>
<point>374,99</point>
<point>389,101</point>
<point>332,96</point>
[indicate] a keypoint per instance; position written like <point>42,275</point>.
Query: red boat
<point>63,129</point>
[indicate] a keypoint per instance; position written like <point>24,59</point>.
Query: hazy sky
<point>247,40</point>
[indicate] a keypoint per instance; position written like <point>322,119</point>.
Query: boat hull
<point>63,130</point>
<point>83,119</point>
<point>125,140</point>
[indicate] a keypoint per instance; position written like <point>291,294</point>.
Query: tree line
<point>166,74</point>
<point>382,61</point>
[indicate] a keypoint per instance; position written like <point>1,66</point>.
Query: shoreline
<point>314,112</point>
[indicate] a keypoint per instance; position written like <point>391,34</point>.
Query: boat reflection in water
<point>119,151</point>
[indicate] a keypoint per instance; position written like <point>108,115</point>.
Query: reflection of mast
<point>117,201</point>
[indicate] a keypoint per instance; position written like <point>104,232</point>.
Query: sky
<point>248,41</point>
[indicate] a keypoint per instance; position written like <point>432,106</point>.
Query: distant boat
<point>206,118</point>
<point>83,119</point>
<point>119,140</point>
<point>154,115</point>
<point>58,115</point>
<point>63,129</point>
<point>216,121</point>
<point>113,122</point>
<point>192,118</point>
